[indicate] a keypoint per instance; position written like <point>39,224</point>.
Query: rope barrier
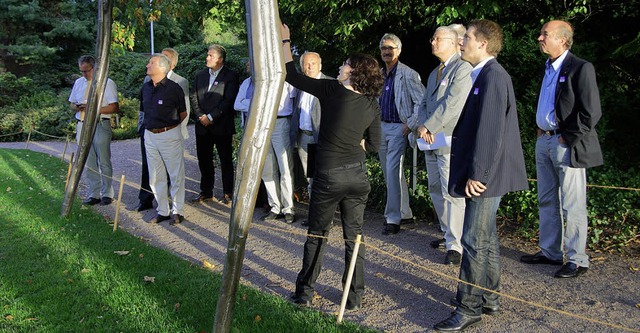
<point>601,186</point>
<point>427,269</point>
<point>51,136</point>
<point>11,134</point>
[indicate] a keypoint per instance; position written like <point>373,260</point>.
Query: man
<point>145,196</point>
<point>400,100</point>
<point>486,162</point>
<point>243,98</point>
<point>305,121</point>
<point>277,173</point>
<point>212,97</point>
<point>99,158</point>
<point>567,144</point>
<point>164,110</point>
<point>460,30</point>
<point>447,90</point>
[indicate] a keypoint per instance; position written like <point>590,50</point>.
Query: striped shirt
<point>388,97</point>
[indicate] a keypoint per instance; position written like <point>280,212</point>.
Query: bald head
<point>555,38</point>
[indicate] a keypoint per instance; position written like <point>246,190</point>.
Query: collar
<point>446,63</point>
<point>212,73</point>
<point>393,70</point>
<point>556,64</point>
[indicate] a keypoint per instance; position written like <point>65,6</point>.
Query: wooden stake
<point>347,283</point>
<point>29,137</point>
<point>115,219</point>
<point>64,152</point>
<point>66,182</point>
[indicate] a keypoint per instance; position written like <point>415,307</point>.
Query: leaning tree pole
<point>103,46</point>
<point>265,48</point>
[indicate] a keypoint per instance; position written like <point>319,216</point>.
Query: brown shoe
<point>201,198</point>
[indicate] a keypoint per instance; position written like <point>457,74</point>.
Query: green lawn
<point>62,275</point>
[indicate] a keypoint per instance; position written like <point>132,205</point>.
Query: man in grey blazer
<point>401,96</point>
<point>447,90</point>
<point>145,196</point>
<point>486,163</point>
<point>305,121</point>
<point>568,111</point>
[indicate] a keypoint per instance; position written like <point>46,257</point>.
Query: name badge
<point>444,82</point>
<point>215,83</point>
<point>476,91</point>
<point>159,102</point>
<point>562,79</point>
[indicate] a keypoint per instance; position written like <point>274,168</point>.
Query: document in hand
<point>440,141</point>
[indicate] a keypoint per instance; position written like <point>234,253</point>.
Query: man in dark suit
<point>568,111</point>
<point>212,97</point>
<point>486,163</point>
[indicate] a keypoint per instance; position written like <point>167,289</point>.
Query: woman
<point>350,126</point>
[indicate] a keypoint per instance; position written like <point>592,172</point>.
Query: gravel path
<point>408,290</point>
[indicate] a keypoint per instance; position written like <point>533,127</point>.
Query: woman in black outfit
<point>349,127</point>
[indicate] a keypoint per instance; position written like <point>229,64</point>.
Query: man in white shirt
<point>278,165</point>
<point>99,158</point>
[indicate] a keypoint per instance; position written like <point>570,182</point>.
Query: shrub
<point>12,88</point>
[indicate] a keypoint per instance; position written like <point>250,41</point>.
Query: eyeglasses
<point>438,39</point>
<point>86,71</point>
<point>387,48</point>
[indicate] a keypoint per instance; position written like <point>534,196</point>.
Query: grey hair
<point>449,31</point>
<point>566,31</point>
<point>163,62</point>
<point>393,38</point>
<point>174,55</point>
<point>310,53</point>
<point>87,59</point>
<point>222,52</point>
<point>459,29</point>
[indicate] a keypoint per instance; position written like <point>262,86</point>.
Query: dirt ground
<point>408,289</point>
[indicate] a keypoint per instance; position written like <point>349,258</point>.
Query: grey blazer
<point>443,102</point>
<point>409,91</point>
<point>315,116</point>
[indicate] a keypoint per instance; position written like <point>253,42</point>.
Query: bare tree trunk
<point>103,46</point>
<point>268,77</point>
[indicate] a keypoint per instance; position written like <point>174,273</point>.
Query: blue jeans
<point>481,257</point>
<point>562,202</point>
<point>347,186</point>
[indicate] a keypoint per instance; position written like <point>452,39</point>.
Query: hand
<point>561,140</point>
<point>204,120</point>
<point>81,107</point>
<point>284,30</point>
<point>425,134</point>
<point>474,188</point>
<point>405,130</point>
<point>362,145</point>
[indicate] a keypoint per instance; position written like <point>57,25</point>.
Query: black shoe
<point>226,200</point>
<point>177,219</point>
<point>439,244</point>
<point>144,206</point>
<point>159,218</point>
<point>91,201</point>
<point>300,301</point>
<point>105,201</point>
<point>570,270</point>
<point>491,310</point>
<point>271,216</point>
<point>457,322</point>
<point>452,258</point>
<point>201,198</point>
<point>390,229</point>
<point>289,218</point>
<point>352,307</point>
<point>539,258</point>
<point>409,220</point>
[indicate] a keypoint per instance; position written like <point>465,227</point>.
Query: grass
<point>62,275</point>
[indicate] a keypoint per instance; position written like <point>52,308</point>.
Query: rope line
<point>601,186</point>
<point>49,135</point>
<point>422,267</point>
<point>11,134</point>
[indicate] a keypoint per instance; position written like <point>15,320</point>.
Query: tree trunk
<point>265,47</point>
<point>103,46</point>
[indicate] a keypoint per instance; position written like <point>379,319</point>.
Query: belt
<point>540,132</point>
<point>305,132</point>
<point>289,116</point>
<point>162,129</point>
<point>81,121</point>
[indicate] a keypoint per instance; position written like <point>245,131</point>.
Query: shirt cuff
<point>209,117</point>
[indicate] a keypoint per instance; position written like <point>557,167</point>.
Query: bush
<point>12,88</point>
<point>128,71</point>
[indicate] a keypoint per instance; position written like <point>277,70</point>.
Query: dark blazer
<point>578,111</point>
<point>218,102</point>
<point>486,141</point>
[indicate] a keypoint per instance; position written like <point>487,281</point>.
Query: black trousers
<point>204,147</point>
<point>349,187</point>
